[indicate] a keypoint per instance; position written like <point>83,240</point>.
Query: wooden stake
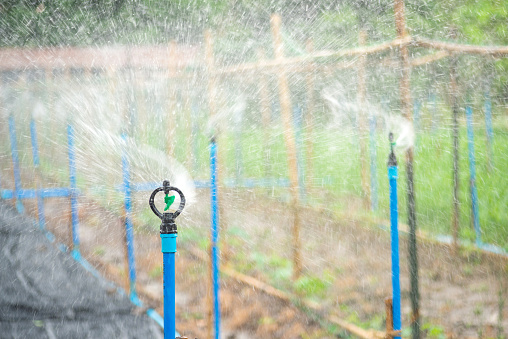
<point>264,99</point>
<point>389,317</point>
<point>309,118</point>
<point>405,102</point>
<point>362,121</point>
<point>289,138</point>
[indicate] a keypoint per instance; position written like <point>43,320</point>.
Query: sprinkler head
<point>168,225</point>
<point>392,159</point>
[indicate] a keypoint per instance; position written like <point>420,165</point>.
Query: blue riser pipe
<point>168,257</point>
<point>215,236</point>
<point>394,233</point>
<point>15,164</point>
<point>472,173</point>
<point>129,233</point>
<point>36,162</point>
<point>73,187</point>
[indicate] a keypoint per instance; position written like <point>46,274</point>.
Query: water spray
<point>394,232</point>
<point>168,233</point>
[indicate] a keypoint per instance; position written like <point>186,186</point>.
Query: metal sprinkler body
<point>168,234</point>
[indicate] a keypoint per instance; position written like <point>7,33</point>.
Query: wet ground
<point>461,294</point>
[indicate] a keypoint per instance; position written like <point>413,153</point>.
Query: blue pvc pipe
<point>373,163</point>
<point>73,187</point>
<point>472,173</point>
<point>129,234</point>
<point>215,235</point>
<point>489,129</point>
<point>168,256</point>
<point>36,162</point>
<point>15,165</point>
<point>31,193</point>
<point>394,233</point>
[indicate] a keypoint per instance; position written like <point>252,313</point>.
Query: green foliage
<point>156,272</point>
<point>434,331</point>
<point>310,286</point>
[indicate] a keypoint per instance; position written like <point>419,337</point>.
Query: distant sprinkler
<point>394,235</point>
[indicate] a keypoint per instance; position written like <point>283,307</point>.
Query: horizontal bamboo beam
<point>429,58</point>
<point>311,57</point>
<point>497,51</point>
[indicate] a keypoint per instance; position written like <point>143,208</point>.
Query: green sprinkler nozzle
<point>168,200</point>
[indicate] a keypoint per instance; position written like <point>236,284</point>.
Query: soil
<point>460,293</point>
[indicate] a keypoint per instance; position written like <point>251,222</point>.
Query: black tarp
<point>45,293</point>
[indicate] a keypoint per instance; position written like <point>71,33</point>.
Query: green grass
<point>336,169</point>
<point>336,161</point>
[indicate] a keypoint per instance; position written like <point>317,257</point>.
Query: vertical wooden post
<point>113,100</point>
<point>171,116</point>
<point>309,117</point>
<point>405,103</point>
<point>362,120</point>
<point>488,127</point>
<point>289,138</point>
<point>264,99</point>
<point>141,101</point>
<point>455,151</point>
<point>389,317</point>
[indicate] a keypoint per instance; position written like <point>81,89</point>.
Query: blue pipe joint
<point>392,172</point>
<point>168,242</point>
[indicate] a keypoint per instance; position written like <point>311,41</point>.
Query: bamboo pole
<point>264,99</point>
<point>495,51</point>
<point>309,118</point>
<point>171,116</point>
<point>455,151</point>
<point>389,317</point>
<point>296,62</point>
<point>362,121</point>
<point>289,138</point>
<point>405,98</point>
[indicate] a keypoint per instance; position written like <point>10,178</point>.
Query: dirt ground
<point>461,294</point>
